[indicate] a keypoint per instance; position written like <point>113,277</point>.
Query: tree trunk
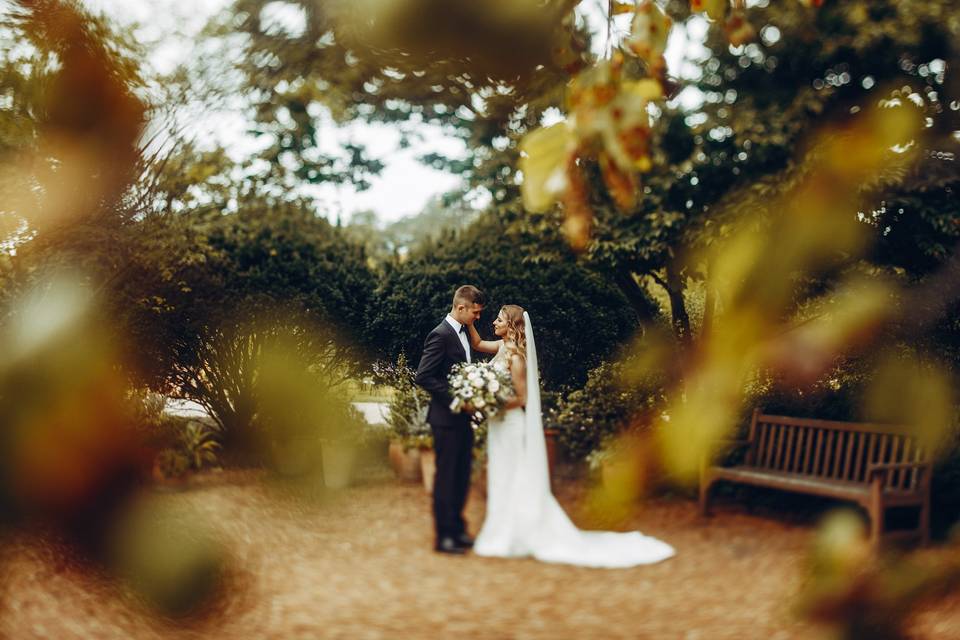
<point>633,292</point>
<point>679,318</point>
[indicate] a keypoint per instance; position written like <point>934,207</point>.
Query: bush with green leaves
<point>208,293</point>
<point>199,442</point>
<point>172,464</point>
<point>606,405</point>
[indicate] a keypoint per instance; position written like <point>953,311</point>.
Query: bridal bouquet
<point>481,385</point>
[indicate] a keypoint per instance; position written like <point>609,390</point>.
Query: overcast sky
<point>402,188</point>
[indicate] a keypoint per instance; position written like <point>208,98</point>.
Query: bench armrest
<point>875,469</point>
<point>895,466</point>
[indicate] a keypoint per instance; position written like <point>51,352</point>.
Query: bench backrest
<point>836,450</point>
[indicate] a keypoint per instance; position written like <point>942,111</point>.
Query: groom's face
<point>467,313</point>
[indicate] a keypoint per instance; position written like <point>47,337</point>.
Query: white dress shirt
<point>463,336</point>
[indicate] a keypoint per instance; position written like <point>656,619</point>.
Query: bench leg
<point>876,517</point>
<point>925,523</point>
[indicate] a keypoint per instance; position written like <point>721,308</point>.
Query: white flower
<point>494,386</point>
<point>479,403</point>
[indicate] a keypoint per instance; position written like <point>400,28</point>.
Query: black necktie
<point>463,328</point>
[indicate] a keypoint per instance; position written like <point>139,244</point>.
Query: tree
<point>209,292</point>
<point>763,101</point>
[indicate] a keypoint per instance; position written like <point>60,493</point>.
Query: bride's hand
<point>514,403</point>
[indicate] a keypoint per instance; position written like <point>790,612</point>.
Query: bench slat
<point>845,473</point>
<point>798,450</point>
<point>837,454</point>
<point>828,452</point>
<point>905,475</point>
<point>771,439</point>
<point>918,455</point>
<point>792,482</point>
<point>894,478</point>
<point>817,449</point>
<point>884,452</point>
<point>781,447</point>
<point>871,451</point>
<point>859,468</point>
<point>761,449</point>
<point>809,448</point>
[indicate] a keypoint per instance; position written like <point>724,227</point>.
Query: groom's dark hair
<point>469,294</point>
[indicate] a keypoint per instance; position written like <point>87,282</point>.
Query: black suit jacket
<point>441,350</point>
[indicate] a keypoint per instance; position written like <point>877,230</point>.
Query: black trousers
<point>454,449</point>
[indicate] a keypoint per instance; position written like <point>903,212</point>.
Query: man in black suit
<point>446,345</point>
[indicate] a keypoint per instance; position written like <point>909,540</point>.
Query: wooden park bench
<point>875,466</point>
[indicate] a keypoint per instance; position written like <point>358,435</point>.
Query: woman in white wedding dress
<point>523,517</point>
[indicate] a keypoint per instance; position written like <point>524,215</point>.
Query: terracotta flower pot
<point>405,462</point>
<point>428,468</point>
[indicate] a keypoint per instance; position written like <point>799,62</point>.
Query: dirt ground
<point>361,566</point>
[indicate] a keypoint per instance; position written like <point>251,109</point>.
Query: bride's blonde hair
<point>516,329</point>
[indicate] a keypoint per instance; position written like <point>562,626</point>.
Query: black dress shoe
<point>464,540</point>
<point>451,546</point>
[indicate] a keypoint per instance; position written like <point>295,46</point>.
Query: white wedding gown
<point>523,518</point>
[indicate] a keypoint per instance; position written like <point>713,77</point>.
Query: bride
<point>523,518</point>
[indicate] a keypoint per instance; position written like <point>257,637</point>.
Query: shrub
<point>210,292</point>
<point>604,407</point>
<point>407,417</point>
<point>171,464</point>
<point>199,443</point>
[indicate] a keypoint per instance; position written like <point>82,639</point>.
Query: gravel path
<point>361,566</point>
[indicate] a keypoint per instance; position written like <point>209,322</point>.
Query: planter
<point>621,474</point>
<point>294,459</point>
<point>338,463</point>
<point>405,462</point>
<point>428,468</point>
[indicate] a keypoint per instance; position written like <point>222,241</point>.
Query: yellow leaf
<point>648,89</point>
<point>621,185</point>
<point>649,32</point>
<point>544,154</point>
<point>715,9</point>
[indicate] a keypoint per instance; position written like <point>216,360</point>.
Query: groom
<point>446,345</point>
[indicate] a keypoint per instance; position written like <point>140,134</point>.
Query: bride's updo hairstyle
<point>516,332</point>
